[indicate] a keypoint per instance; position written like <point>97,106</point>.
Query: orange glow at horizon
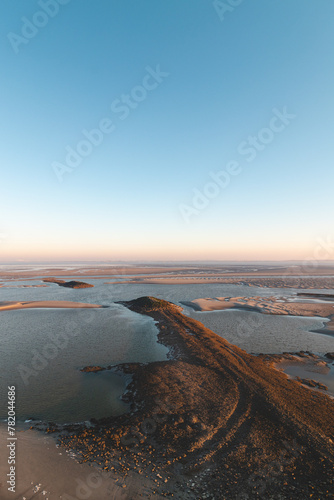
<point>158,252</point>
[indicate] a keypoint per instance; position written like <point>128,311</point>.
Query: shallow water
<point>302,372</point>
<point>42,351</point>
<point>54,344</point>
<point>266,333</point>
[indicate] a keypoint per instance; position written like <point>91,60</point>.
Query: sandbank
<point>269,305</point>
<point>299,282</point>
<point>54,304</point>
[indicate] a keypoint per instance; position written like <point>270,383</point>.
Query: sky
<point>145,130</point>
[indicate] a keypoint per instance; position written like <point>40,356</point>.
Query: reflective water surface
<point>42,350</point>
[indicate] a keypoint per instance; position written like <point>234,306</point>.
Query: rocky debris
<point>330,355</point>
<point>53,280</point>
<point>76,284</point>
<point>48,427</point>
<point>316,295</point>
<point>312,383</point>
<point>68,284</point>
<point>289,356</point>
<point>146,305</point>
<point>92,369</point>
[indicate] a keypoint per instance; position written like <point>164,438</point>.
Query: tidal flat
<point>181,408</point>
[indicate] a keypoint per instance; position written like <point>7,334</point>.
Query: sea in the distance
<point>43,350</point>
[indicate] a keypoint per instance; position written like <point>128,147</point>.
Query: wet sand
<point>44,471</point>
<point>305,366</point>
<point>84,271</point>
<point>270,305</point>
<point>53,304</point>
<point>278,276</point>
<point>302,283</point>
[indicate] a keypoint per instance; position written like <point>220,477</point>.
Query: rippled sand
<point>269,305</point>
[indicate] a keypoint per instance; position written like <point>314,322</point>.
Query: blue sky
<point>132,196</point>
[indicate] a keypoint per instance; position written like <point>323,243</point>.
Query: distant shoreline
<point>172,271</point>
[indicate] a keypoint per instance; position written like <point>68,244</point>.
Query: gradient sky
<point>128,198</point>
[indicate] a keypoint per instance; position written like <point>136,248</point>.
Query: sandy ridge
<point>220,419</point>
<point>54,304</point>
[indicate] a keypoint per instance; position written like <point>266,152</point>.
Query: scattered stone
<point>68,284</point>
<point>312,383</point>
<point>92,369</point>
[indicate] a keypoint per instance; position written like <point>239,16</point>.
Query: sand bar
<point>155,271</point>
<point>54,304</point>
<point>268,305</point>
<point>299,282</point>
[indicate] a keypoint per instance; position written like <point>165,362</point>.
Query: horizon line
<point>150,261</point>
